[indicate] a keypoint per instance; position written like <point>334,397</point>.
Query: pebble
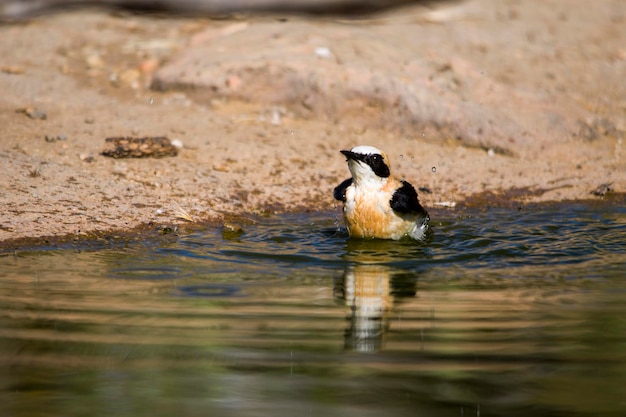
<point>221,168</point>
<point>130,77</point>
<point>602,189</point>
<point>234,82</point>
<point>231,230</point>
<point>86,157</point>
<point>33,113</point>
<point>94,61</point>
<point>12,69</point>
<point>57,138</point>
<point>148,66</point>
<point>450,204</point>
<point>323,52</point>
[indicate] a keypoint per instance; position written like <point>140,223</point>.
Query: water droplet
<point>401,156</point>
<point>423,134</point>
<point>434,169</point>
<point>291,132</point>
<point>151,101</point>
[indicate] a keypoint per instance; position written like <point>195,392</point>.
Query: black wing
<point>405,200</point>
<point>340,190</point>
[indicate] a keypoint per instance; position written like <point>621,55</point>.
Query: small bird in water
<point>376,204</point>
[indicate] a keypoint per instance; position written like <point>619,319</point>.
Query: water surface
<point>502,312</point>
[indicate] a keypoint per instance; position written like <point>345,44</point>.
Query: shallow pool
<point>502,312</point>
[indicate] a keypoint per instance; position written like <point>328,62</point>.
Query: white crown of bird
<point>361,171</point>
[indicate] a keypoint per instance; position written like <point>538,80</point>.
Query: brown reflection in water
<point>371,292</point>
<point>365,289</point>
<point>370,288</point>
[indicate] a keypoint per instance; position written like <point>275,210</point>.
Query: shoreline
<point>152,233</point>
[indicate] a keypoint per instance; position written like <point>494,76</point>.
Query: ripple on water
<point>503,311</point>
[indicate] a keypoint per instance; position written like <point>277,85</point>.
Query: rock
<point>33,113</point>
<point>94,61</point>
<point>130,78</point>
<point>12,69</point>
<point>177,143</point>
<point>231,230</point>
<point>364,80</point>
<point>148,66</point>
<point>86,157</point>
<point>57,138</point>
<point>602,189</point>
<point>148,147</point>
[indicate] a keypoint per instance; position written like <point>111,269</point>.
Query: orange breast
<point>366,221</point>
<point>369,214</point>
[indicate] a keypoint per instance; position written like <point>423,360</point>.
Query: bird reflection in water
<point>370,287</point>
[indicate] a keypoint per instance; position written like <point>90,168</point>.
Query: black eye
<point>378,165</point>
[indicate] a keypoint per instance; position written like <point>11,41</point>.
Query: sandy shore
<point>478,101</point>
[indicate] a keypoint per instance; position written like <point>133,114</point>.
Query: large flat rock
<point>486,73</point>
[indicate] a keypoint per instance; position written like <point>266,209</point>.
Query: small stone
<point>94,61</point>
<point>603,189</point>
<point>221,168</point>
<point>33,113</point>
<point>231,230</point>
<point>148,66</point>
<point>57,138</point>
<point>86,157</point>
<point>234,82</point>
<point>12,69</point>
<point>168,230</point>
<point>35,172</point>
<point>323,52</point>
<point>130,77</point>
<point>449,204</point>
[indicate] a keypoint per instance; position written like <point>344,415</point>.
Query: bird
<point>377,205</point>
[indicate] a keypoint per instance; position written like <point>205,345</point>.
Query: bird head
<point>367,164</point>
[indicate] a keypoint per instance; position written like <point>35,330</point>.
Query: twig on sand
<point>180,213</point>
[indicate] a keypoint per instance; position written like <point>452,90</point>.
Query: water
<point>501,313</point>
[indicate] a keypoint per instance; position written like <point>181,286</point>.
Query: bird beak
<point>350,155</point>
